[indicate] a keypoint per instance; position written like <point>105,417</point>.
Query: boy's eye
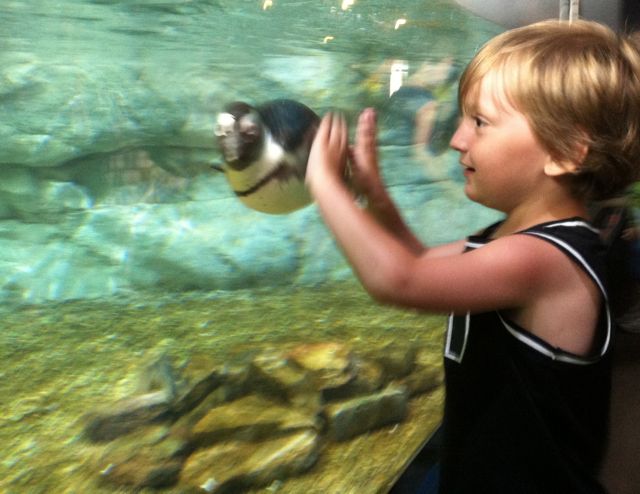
<point>479,122</point>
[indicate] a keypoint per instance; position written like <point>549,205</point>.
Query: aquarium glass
<point>158,335</point>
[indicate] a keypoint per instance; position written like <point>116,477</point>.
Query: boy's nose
<point>458,140</point>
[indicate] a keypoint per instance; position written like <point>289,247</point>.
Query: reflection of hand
<point>365,171</point>
<point>329,150</point>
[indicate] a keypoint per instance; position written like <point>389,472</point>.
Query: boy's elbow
<point>382,296</point>
<point>388,286</point>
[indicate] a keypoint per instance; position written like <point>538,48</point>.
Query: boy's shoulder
<point>541,251</point>
<point>574,230</point>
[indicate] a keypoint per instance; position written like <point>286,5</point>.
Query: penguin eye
<point>249,127</point>
<point>251,133</point>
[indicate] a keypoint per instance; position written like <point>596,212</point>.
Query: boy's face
<point>502,160</point>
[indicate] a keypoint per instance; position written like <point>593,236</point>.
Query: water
<point>121,247</point>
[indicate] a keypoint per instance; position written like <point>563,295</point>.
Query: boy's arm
<point>367,180</point>
<point>505,273</point>
<point>382,207</point>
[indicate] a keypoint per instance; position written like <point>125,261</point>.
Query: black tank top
<point>520,415</point>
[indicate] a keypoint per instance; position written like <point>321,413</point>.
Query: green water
<point>62,360</point>
<point>116,238</point>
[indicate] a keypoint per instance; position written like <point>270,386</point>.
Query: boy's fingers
<point>366,146</point>
<point>342,127</point>
<point>338,130</point>
<point>325,126</point>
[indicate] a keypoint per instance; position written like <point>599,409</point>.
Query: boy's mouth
<point>466,169</point>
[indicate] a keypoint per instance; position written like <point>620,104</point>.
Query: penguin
<point>265,150</point>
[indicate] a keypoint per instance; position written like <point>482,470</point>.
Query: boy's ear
<point>556,168</point>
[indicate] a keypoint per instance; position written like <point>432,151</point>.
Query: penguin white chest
<point>274,183</point>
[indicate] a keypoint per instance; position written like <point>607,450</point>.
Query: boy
<point>550,119</point>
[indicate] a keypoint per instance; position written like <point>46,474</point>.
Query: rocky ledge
<point>222,427</point>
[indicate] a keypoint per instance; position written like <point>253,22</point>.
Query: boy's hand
<point>330,149</point>
<point>365,173</point>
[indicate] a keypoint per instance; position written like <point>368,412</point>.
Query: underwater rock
<point>365,413</point>
<point>396,360</point>
<point>423,379</point>
<point>226,427</point>
<point>366,377</point>
<point>157,374</point>
<point>328,358</point>
<point>331,365</point>
<point>197,391</point>
<point>233,467</point>
<point>25,195</point>
<point>252,418</point>
<point>426,375</point>
<point>183,161</point>
<point>155,389</point>
<point>128,415</point>
<point>273,373</point>
<point>152,457</point>
<point>140,472</point>
<point>209,390</point>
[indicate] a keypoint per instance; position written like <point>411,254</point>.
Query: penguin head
<point>240,134</point>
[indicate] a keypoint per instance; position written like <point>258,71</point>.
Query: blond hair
<point>578,84</point>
